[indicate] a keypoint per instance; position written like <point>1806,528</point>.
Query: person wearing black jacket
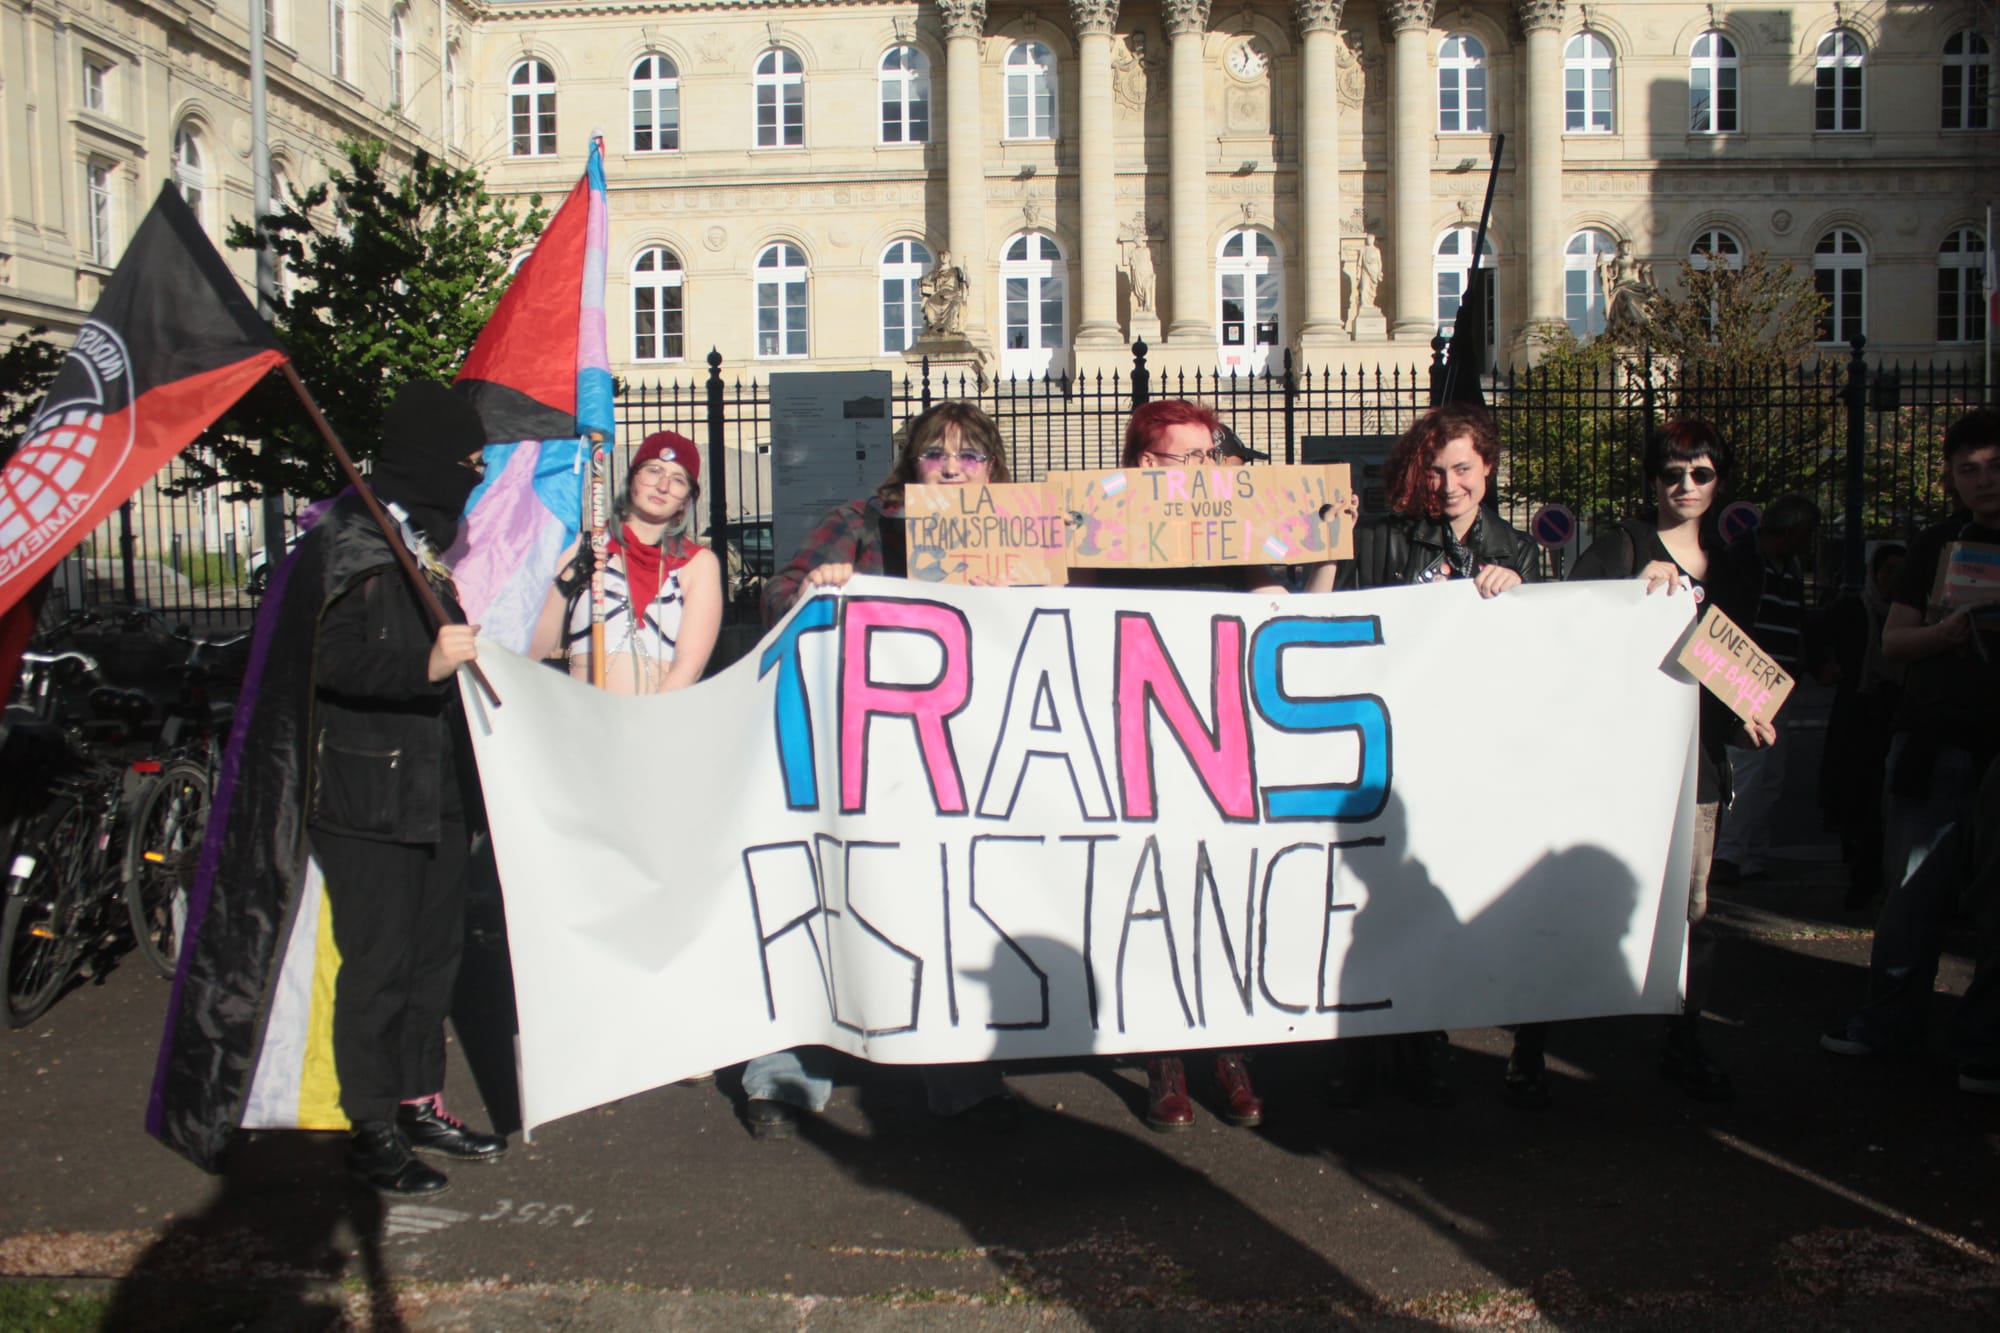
<point>1439,477</point>
<point>393,795</point>
<point>1687,467</point>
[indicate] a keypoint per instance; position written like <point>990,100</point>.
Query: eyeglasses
<point>969,459</point>
<point>1192,456</point>
<point>1700,476</point>
<point>673,483</point>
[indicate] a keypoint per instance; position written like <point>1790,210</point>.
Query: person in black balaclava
<point>393,797</point>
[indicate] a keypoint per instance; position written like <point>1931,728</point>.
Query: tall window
<point>337,25</point>
<point>1961,296</point>
<point>658,317</point>
<point>782,277</point>
<point>281,197</point>
<point>781,99</point>
<point>1249,294</point>
<point>1450,264</point>
<point>1032,299</point>
<point>451,96</point>
<point>1840,273</point>
<point>1966,82</point>
<point>96,86</point>
<point>656,105</point>
<point>1587,84</point>
<point>399,59</point>
<point>191,170</point>
<point>1715,246</point>
<point>1712,71</point>
<point>1838,67</point>
<point>906,96</point>
<point>97,213</point>
<point>1583,281</point>
<point>1031,91</point>
<point>532,106</point>
<point>1461,85</point>
<point>902,272</point>
<point>271,16</point>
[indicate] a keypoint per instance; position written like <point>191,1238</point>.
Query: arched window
<point>782,278</point>
<point>191,170</point>
<point>656,105</point>
<point>781,100</point>
<point>1031,91</point>
<point>1583,281</point>
<point>1715,246</point>
<point>901,272</point>
<point>1837,88</point>
<point>1961,296</point>
<point>1966,82</point>
<point>1450,264</point>
<point>281,199</point>
<point>906,95</point>
<point>451,117</point>
<point>399,59</point>
<point>532,100</point>
<point>1033,303</point>
<point>1461,85</point>
<point>339,34</point>
<point>1712,71</point>
<point>1840,274</point>
<point>1587,85</point>
<point>1249,300</point>
<point>659,318</point>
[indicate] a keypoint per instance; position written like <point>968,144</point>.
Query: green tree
<point>392,275</point>
<point>28,366</point>
<point>1571,425</point>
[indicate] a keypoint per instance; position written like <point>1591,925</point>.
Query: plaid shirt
<point>844,537</point>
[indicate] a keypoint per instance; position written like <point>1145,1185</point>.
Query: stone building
<point>1224,180</point>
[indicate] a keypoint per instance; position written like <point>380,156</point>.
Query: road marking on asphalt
<point>412,1221</point>
<point>1855,1197</point>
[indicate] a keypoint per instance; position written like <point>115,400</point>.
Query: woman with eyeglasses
<point>1678,550</point>
<point>663,590</point>
<point>952,444</point>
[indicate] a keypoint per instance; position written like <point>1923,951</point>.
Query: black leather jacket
<point>390,760</point>
<point>1392,549</point>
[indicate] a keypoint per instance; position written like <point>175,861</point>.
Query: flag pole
<point>425,594</point>
<point>599,542</point>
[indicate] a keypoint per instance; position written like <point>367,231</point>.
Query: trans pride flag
<point>540,376</point>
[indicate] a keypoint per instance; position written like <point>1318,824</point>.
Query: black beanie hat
<point>428,431</point>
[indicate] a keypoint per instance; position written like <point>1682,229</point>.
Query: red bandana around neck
<point>645,568</point>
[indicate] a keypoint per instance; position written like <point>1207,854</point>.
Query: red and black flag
<point>172,344</point>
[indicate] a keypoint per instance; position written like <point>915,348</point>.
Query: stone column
<point>1409,22</point>
<point>1096,179</point>
<point>1539,224</point>
<point>1187,174</point>
<point>1318,248</point>
<point>965,157</point>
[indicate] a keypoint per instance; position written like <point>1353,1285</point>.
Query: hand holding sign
<point>1730,665</point>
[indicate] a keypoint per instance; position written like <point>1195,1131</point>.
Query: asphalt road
<point>1829,1193</point>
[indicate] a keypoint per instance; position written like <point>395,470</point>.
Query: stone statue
<point>1133,72</point>
<point>1138,247</point>
<point>1366,275</point>
<point>943,290</point>
<point>1628,288</point>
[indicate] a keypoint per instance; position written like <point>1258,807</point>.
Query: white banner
<point>925,823</point>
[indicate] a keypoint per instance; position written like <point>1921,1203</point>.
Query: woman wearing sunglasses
<point>1677,550</point>
<point>952,444</point>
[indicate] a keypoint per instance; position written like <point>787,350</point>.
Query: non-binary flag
<point>172,343</point>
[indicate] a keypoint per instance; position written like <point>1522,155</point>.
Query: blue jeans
<point>799,1077</point>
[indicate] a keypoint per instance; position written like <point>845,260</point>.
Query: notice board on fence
<point>1152,517</point>
<point>1007,534</point>
<point>1727,661</point>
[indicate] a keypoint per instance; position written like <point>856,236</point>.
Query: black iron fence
<point>1862,441</point>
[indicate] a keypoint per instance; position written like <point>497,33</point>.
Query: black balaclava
<point>427,433</point>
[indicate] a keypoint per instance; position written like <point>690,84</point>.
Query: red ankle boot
<point>1239,1100</point>
<point>1167,1104</point>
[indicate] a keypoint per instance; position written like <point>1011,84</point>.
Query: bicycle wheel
<point>160,854</point>
<point>40,937</point>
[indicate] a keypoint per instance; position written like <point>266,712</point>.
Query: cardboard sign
<point>1969,575</point>
<point>1004,534</point>
<point>1149,517</point>
<point>1729,664</point>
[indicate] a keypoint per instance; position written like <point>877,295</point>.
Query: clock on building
<point>1248,59</point>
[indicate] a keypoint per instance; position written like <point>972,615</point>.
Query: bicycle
<point>63,889</point>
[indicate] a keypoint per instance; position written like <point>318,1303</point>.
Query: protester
<point>1947,736</point>
<point>952,444</point>
<point>1766,563</point>
<point>1687,467</point>
<point>1439,478</point>
<point>1866,686</point>
<point>662,589</point>
<point>394,793</point>
<point>1173,432</point>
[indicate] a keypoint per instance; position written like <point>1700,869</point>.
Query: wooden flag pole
<point>389,527</point>
<point>600,461</point>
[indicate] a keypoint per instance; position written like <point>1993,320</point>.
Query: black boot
<point>431,1128</point>
<point>378,1154</point>
<point>1683,1061</point>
